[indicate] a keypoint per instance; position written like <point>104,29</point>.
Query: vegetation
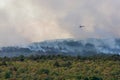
<point>59,67</point>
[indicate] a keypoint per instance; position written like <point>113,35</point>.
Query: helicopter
<point>81,26</point>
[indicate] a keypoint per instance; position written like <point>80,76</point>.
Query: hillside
<point>65,46</point>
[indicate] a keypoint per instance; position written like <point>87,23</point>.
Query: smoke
<point>28,21</point>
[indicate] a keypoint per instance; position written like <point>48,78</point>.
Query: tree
<point>43,71</point>
<point>4,63</point>
<point>95,78</point>
<point>56,64</point>
<point>21,58</point>
<point>8,74</point>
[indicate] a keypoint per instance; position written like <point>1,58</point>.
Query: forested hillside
<point>71,47</point>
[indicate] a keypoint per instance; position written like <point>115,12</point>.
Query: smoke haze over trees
<point>37,20</point>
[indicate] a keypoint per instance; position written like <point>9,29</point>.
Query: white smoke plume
<point>24,21</point>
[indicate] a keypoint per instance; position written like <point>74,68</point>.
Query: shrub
<point>56,64</point>
<point>8,74</point>
<point>95,78</point>
<point>43,71</point>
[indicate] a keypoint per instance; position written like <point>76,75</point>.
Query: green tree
<point>56,64</point>
<point>8,74</point>
<point>21,58</point>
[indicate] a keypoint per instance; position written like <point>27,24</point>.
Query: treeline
<point>112,57</point>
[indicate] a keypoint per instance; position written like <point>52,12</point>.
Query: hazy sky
<point>24,21</point>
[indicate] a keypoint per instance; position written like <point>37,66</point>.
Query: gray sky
<point>24,21</point>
